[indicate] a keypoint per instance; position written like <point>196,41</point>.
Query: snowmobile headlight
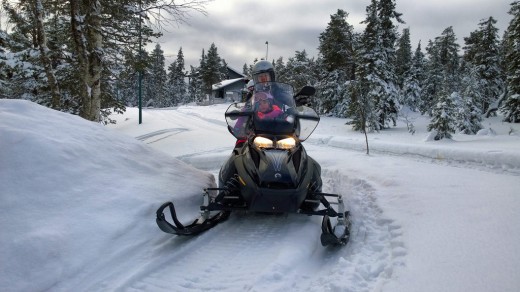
<point>287,143</point>
<point>262,142</point>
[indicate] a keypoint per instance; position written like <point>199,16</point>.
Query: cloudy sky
<point>240,28</point>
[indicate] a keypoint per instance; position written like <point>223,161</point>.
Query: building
<point>230,89</point>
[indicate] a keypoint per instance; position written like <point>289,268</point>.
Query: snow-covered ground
<point>78,202</point>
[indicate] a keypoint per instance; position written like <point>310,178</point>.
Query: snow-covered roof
<point>225,83</point>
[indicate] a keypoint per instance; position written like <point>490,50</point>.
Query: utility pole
<point>140,69</point>
<point>267,50</point>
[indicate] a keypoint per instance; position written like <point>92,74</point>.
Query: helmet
<point>263,96</point>
<point>250,84</point>
<point>263,67</point>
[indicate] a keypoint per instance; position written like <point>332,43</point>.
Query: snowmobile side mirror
<point>302,97</point>
<point>306,91</point>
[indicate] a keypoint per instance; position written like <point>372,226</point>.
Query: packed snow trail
<point>288,253</point>
<point>418,225</point>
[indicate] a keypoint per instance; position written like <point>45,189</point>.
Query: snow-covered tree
<point>511,106</point>
<point>403,56</point>
<point>376,69</point>
<point>442,70</point>
<point>211,68</point>
<point>444,115</point>
<point>413,78</point>
<point>298,70</point>
<point>279,69</point>
<point>177,87</point>
<point>336,46</point>
<point>482,51</point>
<point>469,114</point>
<point>337,64</point>
<point>195,88</point>
<point>157,78</point>
<point>76,44</point>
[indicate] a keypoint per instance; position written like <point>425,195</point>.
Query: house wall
<point>232,91</point>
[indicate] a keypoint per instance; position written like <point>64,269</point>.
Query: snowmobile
<point>269,170</point>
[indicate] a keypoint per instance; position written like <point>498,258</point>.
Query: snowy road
<point>427,216</point>
<point>250,250</point>
<point>273,253</point>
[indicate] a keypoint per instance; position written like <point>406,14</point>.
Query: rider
<point>250,88</point>
<point>263,71</point>
<point>264,107</point>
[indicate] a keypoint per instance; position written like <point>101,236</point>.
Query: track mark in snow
<point>252,252</point>
<point>221,259</point>
<point>375,248</point>
<point>171,132</point>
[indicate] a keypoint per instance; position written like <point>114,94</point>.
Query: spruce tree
<point>157,78</point>
<point>336,45</point>
<point>83,48</point>
<point>469,114</point>
<point>366,90</point>
<point>482,51</point>
<point>376,71</point>
<point>444,114</point>
<point>180,80</point>
<point>413,80</point>
<point>298,70</point>
<point>337,64</point>
<point>211,69</point>
<point>403,57</point>
<point>442,70</point>
<point>511,107</point>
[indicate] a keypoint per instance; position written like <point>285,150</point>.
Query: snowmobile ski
<point>199,225</point>
<point>337,235</point>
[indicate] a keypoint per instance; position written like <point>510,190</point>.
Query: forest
<point>88,58</point>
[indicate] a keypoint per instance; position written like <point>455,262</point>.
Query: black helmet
<point>263,67</point>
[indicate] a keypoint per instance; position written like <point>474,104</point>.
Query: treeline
<point>369,77</point>
<point>373,76</point>
<point>83,57</point>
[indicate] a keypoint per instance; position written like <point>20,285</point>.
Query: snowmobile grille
<point>277,185</point>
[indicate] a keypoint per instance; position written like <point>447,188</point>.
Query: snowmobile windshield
<point>273,106</point>
<point>272,111</point>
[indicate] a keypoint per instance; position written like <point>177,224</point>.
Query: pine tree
<point>482,50</point>
<point>403,57</point>
<point>179,80</point>
<point>337,62</point>
<point>336,44</point>
<point>469,114</point>
<point>444,114</point>
<point>245,70</point>
<point>442,70</point>
<point>365,90</point>
<point>412,84</point>
<point>176,84</point>
<point>157,78</point>
<point>195,86</point>
<point>511,107</point>
<point>376,71</point>
<point>211,69</point>
<point>83,49</point>
<point>279,69</point>
<point>298,70</point>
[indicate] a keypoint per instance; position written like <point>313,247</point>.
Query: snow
<point>225,83</point>
<point>78,202</point>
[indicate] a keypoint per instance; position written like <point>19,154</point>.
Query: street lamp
<point>267,49</point>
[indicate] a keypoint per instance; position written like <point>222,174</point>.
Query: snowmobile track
<point>171,132</point>
<point>210,255</point>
